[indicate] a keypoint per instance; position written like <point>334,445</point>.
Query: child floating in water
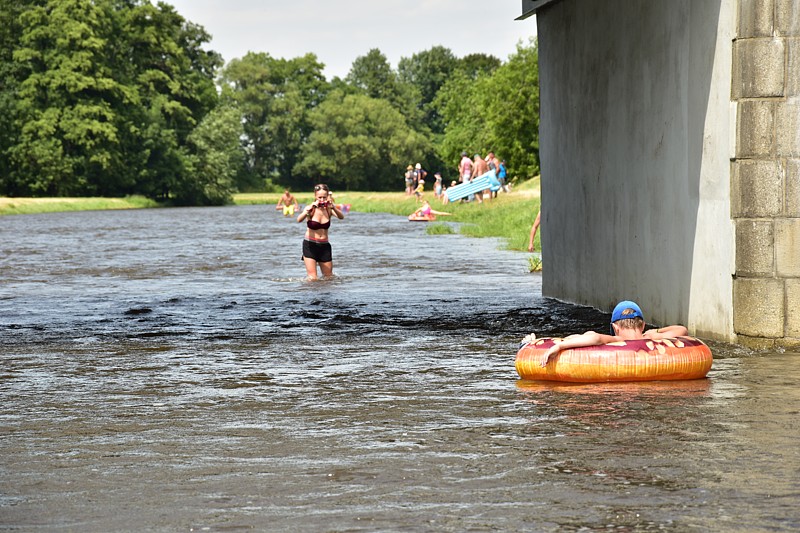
<point>627,323</point>
<point>426,213</point>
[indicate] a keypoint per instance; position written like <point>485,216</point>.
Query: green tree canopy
<point>359,142</point>
<point>67,107</point>
<point>274,96</point>
<point>473,65</point>
<point>373,75</point>
<point>105,95</point>
<point>496,111</point>
<point>216,157</point>
<point>428,71</point>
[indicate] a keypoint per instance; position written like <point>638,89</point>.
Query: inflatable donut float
<point>635,360</point>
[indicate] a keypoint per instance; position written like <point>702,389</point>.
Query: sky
<point>339,31</point>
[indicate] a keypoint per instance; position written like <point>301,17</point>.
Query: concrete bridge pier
<point>670,149</point>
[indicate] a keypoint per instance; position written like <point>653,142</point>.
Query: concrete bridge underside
<point>670,149</point>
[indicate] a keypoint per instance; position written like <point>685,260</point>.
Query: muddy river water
<point>170,370</point>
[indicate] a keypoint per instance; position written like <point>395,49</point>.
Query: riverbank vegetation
<point>28,206</point>
<point>112,99</point>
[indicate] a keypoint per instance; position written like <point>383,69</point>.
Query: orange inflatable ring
<point>636,360</point>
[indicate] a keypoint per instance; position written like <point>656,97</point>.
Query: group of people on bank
<point>468,169</point>
<point>415,177</point>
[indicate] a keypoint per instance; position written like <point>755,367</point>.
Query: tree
<point>360,142</point>
<point>274,96</point>
<point>497,111</point>
<point>10,76</point>
<point>215,159</point>
<point>161,59</point>
<point>373,75</point>
<point>65,113</point>
<point>460,107</point>
<point>428,71</point>
<point>474,65</point>
<point>106,94</point>
<point>511,101</point>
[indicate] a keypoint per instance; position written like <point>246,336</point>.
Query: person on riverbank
<point>316,248</point>
<point>502,175</point>
<point>288,203</point>
<point>627,323</point>
<point>437,186</point>
<point>493,164</point>
<point>420,190</point>
<point>465,168</point>
<point>479,168</point>
<point>534,229</point>
<point>421,173</point>
<point>444,198</point>
<point>409,177</point>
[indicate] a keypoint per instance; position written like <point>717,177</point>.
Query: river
<point>170,370</point>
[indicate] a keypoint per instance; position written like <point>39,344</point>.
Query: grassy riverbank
<point>28,206</point>
<point>509,216</point>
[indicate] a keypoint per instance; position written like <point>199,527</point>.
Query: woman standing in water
<point>316,248</point>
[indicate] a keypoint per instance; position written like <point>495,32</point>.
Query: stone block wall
<point>765,173</point>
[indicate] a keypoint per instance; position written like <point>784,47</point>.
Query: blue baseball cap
<point>622,306</point>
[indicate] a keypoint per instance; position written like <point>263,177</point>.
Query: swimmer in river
<point>288,203</point>
<point>627,323</point>
<point>425,212</point>
<point>316,248</point>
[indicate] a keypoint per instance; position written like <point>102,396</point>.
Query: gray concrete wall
<point>637,134</point>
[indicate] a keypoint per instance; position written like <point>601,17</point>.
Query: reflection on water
<point>170,370</point>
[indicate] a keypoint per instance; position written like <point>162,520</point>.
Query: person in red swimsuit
<point>316,248</point>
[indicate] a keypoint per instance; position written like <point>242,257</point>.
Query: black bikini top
<point>313,224</point>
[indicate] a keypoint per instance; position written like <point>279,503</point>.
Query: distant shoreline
<point>30,206</point>
<point>508,217</point>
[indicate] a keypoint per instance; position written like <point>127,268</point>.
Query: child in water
<point>627,323</point>
<point>425,212</point>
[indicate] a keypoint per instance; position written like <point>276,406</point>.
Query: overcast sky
<point>339,31</point>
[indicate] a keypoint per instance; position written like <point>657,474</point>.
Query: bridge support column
<point>765,173</point>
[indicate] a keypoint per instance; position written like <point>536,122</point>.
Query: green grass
<point>26,206</point>
<point>439,228</point>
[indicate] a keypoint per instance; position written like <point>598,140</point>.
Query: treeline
<point>119,97</point>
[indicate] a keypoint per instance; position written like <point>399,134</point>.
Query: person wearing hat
<point>627,323</point>
<point>410,179</point>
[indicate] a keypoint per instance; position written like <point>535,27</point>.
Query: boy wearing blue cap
<point>627,323</point>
